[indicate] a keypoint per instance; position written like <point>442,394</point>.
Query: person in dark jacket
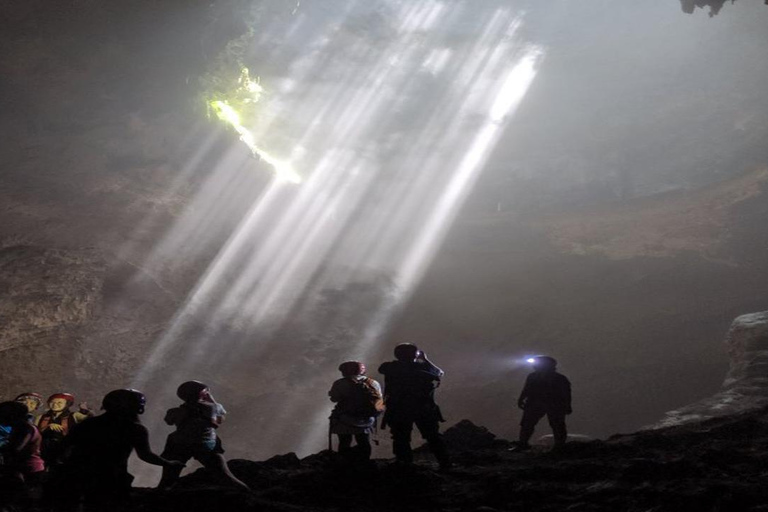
<point>546,393</point>
<point>21,467</point>
<point>409,395</point>
<point>96,455</point>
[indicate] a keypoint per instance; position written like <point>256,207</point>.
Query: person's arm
<point>19,439</point>
<point>333,393</point>
<point>567,395</point>
<point>83,412</point>
<point>521,401</point>
<point>174,416</point>
<point>339,390</point>
<point>430,367</point>
<point>219,415</point>
<point>145,453</point>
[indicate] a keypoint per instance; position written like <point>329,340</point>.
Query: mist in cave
<point>489,180</point>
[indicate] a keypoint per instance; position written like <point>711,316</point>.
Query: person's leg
<point>345,444</point>
<point>528,424</point>
<point>171,474</point>
<point>216,463</point>
<point>401,439</point>
<point>559,430</point>
<point>430,431</point>
<point>363,446</point>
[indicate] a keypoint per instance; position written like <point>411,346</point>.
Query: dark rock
<point>689,6</point>
<point>465,435</point>
<point>286,461</point>
<point>711,466</point>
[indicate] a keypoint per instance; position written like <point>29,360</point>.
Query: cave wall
<point>631,293</point>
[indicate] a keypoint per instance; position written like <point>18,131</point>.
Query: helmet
<point>190,390</point>
<point>406,352</point>
<point>351,368</point>
<point>13,413</point>
<point>70,398</point>
<point>30,396</point>
<point>124,401</point>
<point>544,362</point>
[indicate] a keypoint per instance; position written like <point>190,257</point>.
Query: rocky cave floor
<point>715,465</point>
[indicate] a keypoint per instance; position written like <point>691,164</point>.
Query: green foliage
<point>223,80</point>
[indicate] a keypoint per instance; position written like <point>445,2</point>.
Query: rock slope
<point>715,465</point>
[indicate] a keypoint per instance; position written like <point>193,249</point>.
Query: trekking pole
<point>330,437</point>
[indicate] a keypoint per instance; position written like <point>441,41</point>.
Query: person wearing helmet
<point>56,423</point>
<point>21,452</point>
<point>546,393</point>
<point>409,395</point>
<point>196,421</point>
<point>358,402</point>
<point>19,456</point>
<point>33,401</point>
<point>95,467</point>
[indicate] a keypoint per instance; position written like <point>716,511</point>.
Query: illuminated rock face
<point>69,321</point>
<point>746,385</point>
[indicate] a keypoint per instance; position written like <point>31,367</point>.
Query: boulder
<point>746,385</point>
<point>465,435</point>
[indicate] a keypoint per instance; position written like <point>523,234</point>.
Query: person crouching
<point>196,421</point>
<point>95,468</point>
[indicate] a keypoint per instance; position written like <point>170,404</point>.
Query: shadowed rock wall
<point>746,385</point>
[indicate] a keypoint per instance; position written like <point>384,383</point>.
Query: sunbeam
<point>383,178</point>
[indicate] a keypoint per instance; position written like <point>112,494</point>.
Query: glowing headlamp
<point>531,360</point>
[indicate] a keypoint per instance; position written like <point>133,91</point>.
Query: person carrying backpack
<point>358,402</point>
<point>196,421</point>
<point>409,395</point>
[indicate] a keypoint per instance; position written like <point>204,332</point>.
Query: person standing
<point>21,452</point>
<point>409,396</point>
<point>21,467</point>
<point>56,423</point>
<point>546,393</point>
<point>358,402</point>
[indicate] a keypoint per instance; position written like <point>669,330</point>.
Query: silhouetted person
<point>20,461</point>
<point>96,455</point>
<point>196,421</point>
<point>409,395</point>
<point>358,402</point>
<point>546,393</point>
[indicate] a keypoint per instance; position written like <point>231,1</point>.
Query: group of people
<point>71,457</point>
<point>408,400</point>
<point>63,458</point>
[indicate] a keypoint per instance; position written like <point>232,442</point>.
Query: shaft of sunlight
<point>391,128</point>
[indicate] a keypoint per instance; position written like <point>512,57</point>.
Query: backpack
<point>366,401</point>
